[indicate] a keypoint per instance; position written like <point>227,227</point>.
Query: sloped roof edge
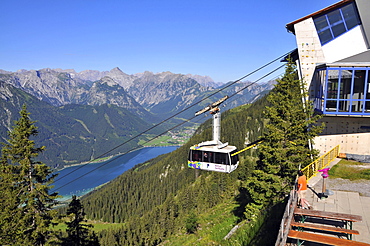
<point>290,26</point>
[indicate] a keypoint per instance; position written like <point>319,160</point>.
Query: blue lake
<point>79,180</point>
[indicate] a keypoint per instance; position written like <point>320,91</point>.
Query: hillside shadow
<point>242,200</point>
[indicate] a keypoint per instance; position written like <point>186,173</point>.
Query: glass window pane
<point>344,106</point>
<point>333,84</point>
<point>350,16</point>
<point>325,36</point>
<point>323,29</point>
<point>338,29</point>
<point>322,82</point>
<point>368,85</point>
<point>367,107</point>
<point>208,156</point>
<point>318,83</point>
<point>359,84</point>
<point>221,158</point>
<point>345,84</point>
<point>331,106</point>
<point>356,106</point>
<point>196,155</point>
<point>321,23</point>
<point>336,23</point>
<point>235,158</point>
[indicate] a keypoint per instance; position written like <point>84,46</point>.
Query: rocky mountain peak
<point>121,78</point>
<point>107,80</point>
<point>18,71</point>
<point>205,81</point>
<point>116,70</point>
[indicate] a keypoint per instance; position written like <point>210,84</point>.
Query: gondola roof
<point>214,148</point>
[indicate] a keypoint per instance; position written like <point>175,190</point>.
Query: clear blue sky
<point>224,39</point>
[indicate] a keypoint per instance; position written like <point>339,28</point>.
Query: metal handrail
<point>313,168</point>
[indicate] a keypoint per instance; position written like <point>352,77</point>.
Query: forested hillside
<point>164,202</point>
<point>156,198</point>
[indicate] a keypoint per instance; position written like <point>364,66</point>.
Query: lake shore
<point>87,177</point>
<point>102,159</point>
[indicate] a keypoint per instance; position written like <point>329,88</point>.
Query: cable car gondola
<point>214,155</point>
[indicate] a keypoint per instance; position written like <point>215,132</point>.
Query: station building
<point>333,60</point>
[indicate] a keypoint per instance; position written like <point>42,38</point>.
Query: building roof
<point>361,58</point>
<point>290,26</point>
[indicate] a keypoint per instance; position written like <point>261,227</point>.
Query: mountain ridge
<point>160,94</point>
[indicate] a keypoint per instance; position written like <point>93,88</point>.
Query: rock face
<point>56,88</point>
<point>155,91</point>
<point>108,91</point>
<point>61,87</point>
<point>205,81</point>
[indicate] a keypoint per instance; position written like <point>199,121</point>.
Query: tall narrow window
<point>367,103</point>
<point>359,84</point>
<point>345,90</point>
<point>333,84</point>
<point>345,84</point>
<point>332,90</point>
<point>358,90</point>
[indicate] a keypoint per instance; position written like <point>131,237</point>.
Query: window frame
<point>331,27</point>
<point>344,106</point>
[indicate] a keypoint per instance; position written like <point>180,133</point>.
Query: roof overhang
<point>343,65</point>
<point>290,26</point>
<point>348,64</point>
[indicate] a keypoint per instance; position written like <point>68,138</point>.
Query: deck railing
<point>320,163</point>
<point>287,218</point>
<point>309,171</point>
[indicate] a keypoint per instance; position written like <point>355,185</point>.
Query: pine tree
<point>191,223</point>
<point>27,185</point>
<point>291,129</point>
<point>9,202</point>
<point>78,233</point>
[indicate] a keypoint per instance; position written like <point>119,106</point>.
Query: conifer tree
<point>78,233</point>
<point>9,201</point>
<point>291,128</point>
<point>27,185</point>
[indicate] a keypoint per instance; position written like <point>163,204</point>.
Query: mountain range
<point>82,115</point>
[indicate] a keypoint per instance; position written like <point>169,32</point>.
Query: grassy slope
<point>97,226</point>
<point>352,170</point>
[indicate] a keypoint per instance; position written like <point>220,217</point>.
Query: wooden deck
<point>319,227</point>
<point>327,240</point>
<point>349,204</point>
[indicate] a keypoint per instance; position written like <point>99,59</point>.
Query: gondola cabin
<point>213,158</point>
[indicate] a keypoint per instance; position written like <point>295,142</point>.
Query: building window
<point>337,22</point>
<point>346,91</point>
